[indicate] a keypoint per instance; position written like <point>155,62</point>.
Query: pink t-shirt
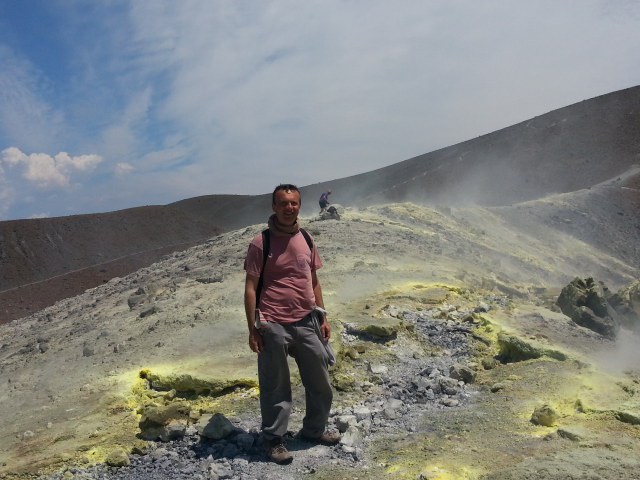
<point>287,291</point>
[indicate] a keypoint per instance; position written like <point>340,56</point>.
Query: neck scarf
<point>277,228</point>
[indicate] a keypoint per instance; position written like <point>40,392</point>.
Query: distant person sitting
<point>324,201</point>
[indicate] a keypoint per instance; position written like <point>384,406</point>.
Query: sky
<point>110,104</point>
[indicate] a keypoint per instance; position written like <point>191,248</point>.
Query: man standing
<point>324,201</point>
<point>281,299</point>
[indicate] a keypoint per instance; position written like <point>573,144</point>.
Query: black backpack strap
<point>266,242</point>
<point>307,237</point>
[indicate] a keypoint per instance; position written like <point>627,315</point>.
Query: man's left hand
<point>325,328</point>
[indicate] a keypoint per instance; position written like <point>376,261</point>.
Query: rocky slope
<point>44,260</point>
<point>562,151</point>
<point>425,302</point>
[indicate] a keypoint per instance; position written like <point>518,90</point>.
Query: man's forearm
<point>255,340</point>
<point>250,310</point>
<point>317,293</point>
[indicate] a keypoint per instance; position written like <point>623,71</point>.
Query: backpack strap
<point>266,244</point>
<point>307,237</point>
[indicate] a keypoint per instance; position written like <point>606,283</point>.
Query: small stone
<point>482,308</point>
<point>514,349</point>
<point>450,402</point>
<point>362,413</point>
<point>574,434</point>
<point>352,437</point>
<point>118,458</point>
<point>343,422</point>
<point>215,427</point>
<point>489,363</point>
<point>230,451</point>
<point>219,471</point>
<point>175,430</point>
<point>245,441</point>
<point>148,311</point>
<point>462,372</point>
<point>379,369</point>
<point>632,418</point>
<point>544,415</point>
<point>448,385</point>
<point>136,299</point>
<point>390,413</point>
<point>206,280</point>
<point>170,395</point>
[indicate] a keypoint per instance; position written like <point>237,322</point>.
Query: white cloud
<point>66,162</point>
<point>42,170</point>
<point>123,168</point>
<point>46,171</point>
<point>12,156</point>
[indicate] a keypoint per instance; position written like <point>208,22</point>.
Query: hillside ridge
<point>568,149</point>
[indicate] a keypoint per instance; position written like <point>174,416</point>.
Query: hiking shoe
<point>328,438</point>
<point>277,452</point>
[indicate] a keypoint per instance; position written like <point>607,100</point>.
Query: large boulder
<point>584,302</point>
<point>627,304</point>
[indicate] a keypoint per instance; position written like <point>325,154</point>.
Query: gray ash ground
<point>67,408</point>
<point>399,394</point>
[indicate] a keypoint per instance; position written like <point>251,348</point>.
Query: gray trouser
<point>301,341</point>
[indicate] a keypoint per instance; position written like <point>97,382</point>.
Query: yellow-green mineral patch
<point>187,384</point>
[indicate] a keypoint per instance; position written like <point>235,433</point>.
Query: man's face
<point>287,206</point>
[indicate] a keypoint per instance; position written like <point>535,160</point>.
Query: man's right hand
<point>255,341</point>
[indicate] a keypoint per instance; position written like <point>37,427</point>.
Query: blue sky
<point>114,104</point>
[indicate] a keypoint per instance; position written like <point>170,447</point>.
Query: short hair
<point>287,187</point>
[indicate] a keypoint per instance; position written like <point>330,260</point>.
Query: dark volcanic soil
<point>27,299</point>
